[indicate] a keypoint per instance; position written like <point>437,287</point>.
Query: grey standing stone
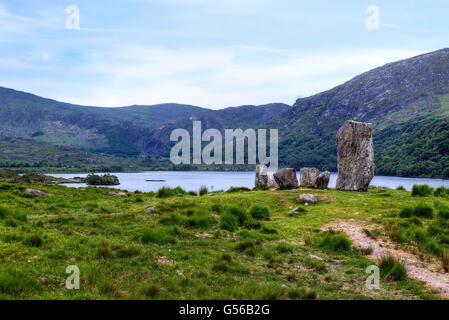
<point>272,182</point>
<point>322,181</point>
<point>286,177</point>
<point>355,156</point>
<point>308,176</point>
<point>261,176</point>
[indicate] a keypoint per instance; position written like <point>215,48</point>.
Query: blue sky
<point>209,53</point>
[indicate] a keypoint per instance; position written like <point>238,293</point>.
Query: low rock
<point>322,181</point>
<point>120,194</point>
<point>293,191</point>
<point>36,192</point>
<point>286,177</point>
<point>149,209</point>
<point>308,176</point>
<point>315,257</point>
<point>307,198</point>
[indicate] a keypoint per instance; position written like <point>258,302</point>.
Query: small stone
<point>293,210</point>
<point>293,191</point>
<point>352,220</point>
<point>333,271</point>
<point>120,194</point>
<point>307,198</point>
<point>284,285</point>
<point>336,261</point>
<point>149,209</point>
<point>36,192</point>
<point>315,257</point>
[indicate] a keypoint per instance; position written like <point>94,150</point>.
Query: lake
<point>193,180</point>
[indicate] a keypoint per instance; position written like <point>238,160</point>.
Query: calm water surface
<point>193,180</point>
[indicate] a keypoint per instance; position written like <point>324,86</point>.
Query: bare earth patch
<point>416,269</point>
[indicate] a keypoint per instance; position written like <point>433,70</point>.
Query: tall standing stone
<point>355,156</point>
<point>307,176</point>
<point>261,176</point>
<point>286,177</point>
<point>322,181</point>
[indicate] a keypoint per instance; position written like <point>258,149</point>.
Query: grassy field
<point>223,245</point>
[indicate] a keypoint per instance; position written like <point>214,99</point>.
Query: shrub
<point>166,192</point>
<point>400,188</point>
<point>391,269</point>
<point>203,190</point>
<point>336,242</point>
<point>443,210</point>
<point>406,212</point>
<point>434,248</point>
<point>200,219</point>
<point>260,212</point>
<point>33,241</point>
<point>420,236</point>
<point>238,189</point>
<point>153,236</point>
<point>16,283</point>
<point>239,212</point>
<point>283,247</point>
<point>441,192</point>
<point>229,222</point>
<point>104,180</point>
<point>423,190</point>
<point>395,232</point>
<point>445,260</point>
<point>423,211</point>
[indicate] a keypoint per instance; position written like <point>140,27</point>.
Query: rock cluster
<point>308,176</point>
<point>355,156</point>
<point>282,177</point>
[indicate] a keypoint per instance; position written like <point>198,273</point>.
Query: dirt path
<point>416,269</point>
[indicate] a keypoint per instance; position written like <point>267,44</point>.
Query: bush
<point>445,260</point>
<point>441,192</point>
<point>283,247</point>
<point>229,222</point>
<point>421,190</point>
<point>203,190</point>
<point>34,241</point>
<point>239,212</point>
<point>443,210</point>
<point>166,192</point>
<point>406,212</point>
<point>423,211</point>
<point>336,242</point>
<point>391,269</point>
<point>400,188</point>
<point>16,283</point>
<point>104,180</point>
<point>260,212</point>
<point>153,236</point>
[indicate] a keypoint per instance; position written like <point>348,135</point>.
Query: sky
<point>209,53</point>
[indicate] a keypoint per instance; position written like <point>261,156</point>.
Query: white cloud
<point>214,78</point>
<point>222,77</point>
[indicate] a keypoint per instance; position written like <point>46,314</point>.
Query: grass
<point>209,247</point>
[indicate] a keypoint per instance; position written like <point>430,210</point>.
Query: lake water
<point>193,180</point>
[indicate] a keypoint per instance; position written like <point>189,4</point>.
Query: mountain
<point>407,102</point>
<point>127,131</point>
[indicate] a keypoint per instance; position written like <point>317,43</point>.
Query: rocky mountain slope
<point>400,99</point>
